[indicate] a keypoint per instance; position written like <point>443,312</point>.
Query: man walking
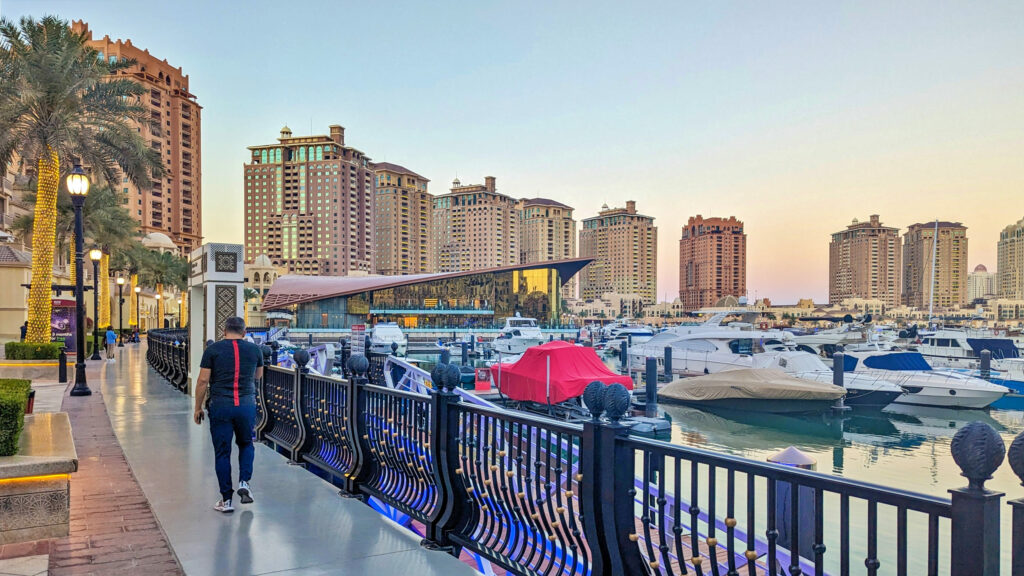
<point>228,371</point>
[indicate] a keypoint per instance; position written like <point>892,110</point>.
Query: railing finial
<point>593,397</point>
<point>978,450</point>
<point>451,377</point>
<point>301,358</point>
<point>1016,457</point>
<point>616,402</point>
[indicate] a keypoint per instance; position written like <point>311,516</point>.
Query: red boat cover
<point>572,368</point>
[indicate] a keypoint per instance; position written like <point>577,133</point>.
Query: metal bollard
<point>986,364</point>
<point>465,353</point>
<point>651,400</point>
<point>310,338</point>
<point>62,366</point>
<point>623,356</point>
<point>668,363</point>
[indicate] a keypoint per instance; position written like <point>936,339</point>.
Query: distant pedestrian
<point>226,384</point>
<point>24,330</point>
<point>111,341</point>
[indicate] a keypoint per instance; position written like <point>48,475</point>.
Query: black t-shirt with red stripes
<point>232,365</point>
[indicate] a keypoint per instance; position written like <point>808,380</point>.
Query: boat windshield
<point>746,346</point>
<point>522,323</point>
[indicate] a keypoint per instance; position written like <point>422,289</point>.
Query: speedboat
<point>384,334</point>
<point>517,336</point>
<point>924,385</point>
<point>763,390</point>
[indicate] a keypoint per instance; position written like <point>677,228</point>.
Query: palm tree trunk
<point>133,298</point>
<point>44,237</point>
<point>71,259</point>
<point>104,312</point>
<point>160,306</point>
<point>183,310</point>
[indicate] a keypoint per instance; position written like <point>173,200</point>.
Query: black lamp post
<point>95,255</point>
<point>78,186</point>
<point>138,317</point>
<point>120,311</point>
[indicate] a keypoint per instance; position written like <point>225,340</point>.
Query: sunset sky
<point>795,117</point>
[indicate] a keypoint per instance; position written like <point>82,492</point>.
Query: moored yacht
<point>715,349</point>
<point>924,385</point>
<point>518,334</point>
<point>961,350</point>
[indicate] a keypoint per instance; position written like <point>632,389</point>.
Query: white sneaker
<point>244,492</point>
<point>224,506</point>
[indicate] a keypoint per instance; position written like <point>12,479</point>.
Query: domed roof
<point>262,261</point>
<point>157,240</point>
<point>980,268</point>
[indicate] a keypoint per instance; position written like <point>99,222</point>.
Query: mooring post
<point>974,527</point>
<point>838,372</point>
<point>465,353</point>
<point>668,363</point>
<point>986,364</point>
<point>651,399</point>
<point>623,356</point>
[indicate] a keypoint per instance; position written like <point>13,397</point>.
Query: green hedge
<point>27,351</point>
<point>13,399</point>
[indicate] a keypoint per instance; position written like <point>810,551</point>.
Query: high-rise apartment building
<point>712,261</point>
<point>173,204</point>
<point>624,246</point>
<point>981,284</point>
<point>547,231</point>
<point>403,215</point>
<point>950,256</point>
<point>475,227</point>
<point>309,204</point>
<point>864,262</point>
<point>1010,254</point>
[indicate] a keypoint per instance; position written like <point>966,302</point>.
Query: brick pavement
<point>113,528</point>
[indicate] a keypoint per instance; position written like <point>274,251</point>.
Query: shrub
<point>13,399</point>
<point>27,351</point>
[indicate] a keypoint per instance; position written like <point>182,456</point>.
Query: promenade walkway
<point>298,524</point>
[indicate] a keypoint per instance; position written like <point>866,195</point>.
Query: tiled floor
<point>25,566</point>
<point>298,524</point>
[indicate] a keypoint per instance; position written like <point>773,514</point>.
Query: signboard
<point>359,339</point>
<point>63,323</point>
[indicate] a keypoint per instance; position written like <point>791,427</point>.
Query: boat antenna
<point>935,245</point>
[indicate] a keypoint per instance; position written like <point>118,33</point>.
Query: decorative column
<point>974,528</point>
<point>216,286</point>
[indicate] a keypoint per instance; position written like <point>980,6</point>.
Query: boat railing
<point>538,496</point>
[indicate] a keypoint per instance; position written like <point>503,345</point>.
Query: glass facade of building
<point>467,301</point>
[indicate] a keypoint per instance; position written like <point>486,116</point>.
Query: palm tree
<point>163,269</point>
<point>61,103</point>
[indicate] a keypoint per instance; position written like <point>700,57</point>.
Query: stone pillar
<point>216,285</point>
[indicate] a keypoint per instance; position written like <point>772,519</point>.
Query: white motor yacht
<point>518,334</point>
<point>924,385</point>
<point>386,333</point>
<point>960,350</point>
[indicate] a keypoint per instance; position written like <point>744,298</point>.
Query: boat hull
<point>950,397</point>
<point>787,406</point>
<point>870,398</point>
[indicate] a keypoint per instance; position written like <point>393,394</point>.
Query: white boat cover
<point>759,384</point>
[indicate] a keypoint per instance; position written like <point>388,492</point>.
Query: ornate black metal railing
<point>167,353</point>
<point>538,496</point>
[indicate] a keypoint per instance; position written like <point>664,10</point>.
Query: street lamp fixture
<point>95,255</point>
<point>138,317</point>
<point>120,311</point>
<point>78,187</point>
